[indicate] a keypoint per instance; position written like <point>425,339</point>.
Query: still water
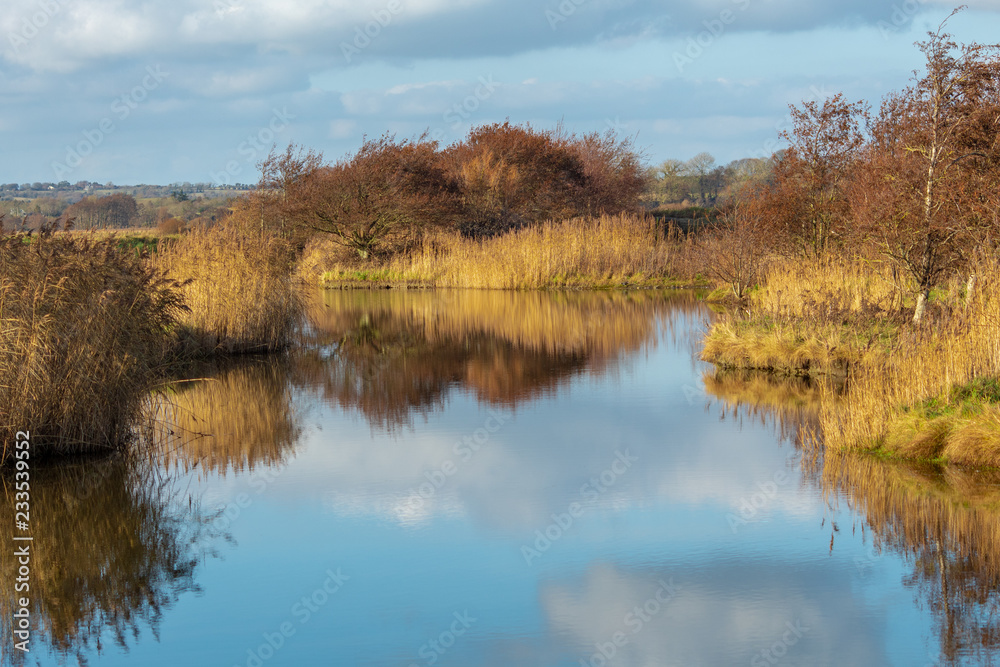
<point>485,478</point>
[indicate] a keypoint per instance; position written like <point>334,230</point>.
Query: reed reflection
<point>394,354</point>
<point>114,547</point>
<point>946,522</point>
<point>943,520</point>
<point>231,415</point>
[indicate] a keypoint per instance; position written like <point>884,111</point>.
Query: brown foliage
<point>387,194</point>
<point>734,252</point>
<point>925,193</point>
<point>807,201</point>
<point>509,176</point>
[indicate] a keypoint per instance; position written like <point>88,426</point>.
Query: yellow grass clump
<point>606,251</point>
<point>928,364</point>
<point>237,288</point>
<point>83,332</point>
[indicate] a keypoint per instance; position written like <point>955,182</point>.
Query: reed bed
<point>606,251</point>
<point>884,402</point>
<point>83,332</point>
<point>236,285</point>
<point>850,317</point>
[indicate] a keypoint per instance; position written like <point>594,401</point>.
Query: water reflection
<point>398,354</point>
<point>230,415</point>
<point>791,404</point>
<point>113,548</point>
<point>944,521</point>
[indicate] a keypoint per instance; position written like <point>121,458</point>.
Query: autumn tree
<point>735,250</point>
<point>508,176</point>
<point>934,148</point>
<point>387,192</point>
<point>612,171</point>
<point>116,211</point>
<point>811,177</point>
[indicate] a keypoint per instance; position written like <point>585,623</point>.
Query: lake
<point>500,478</point>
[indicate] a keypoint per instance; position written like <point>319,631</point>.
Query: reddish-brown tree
<point>385,194</point>
<point>923,193</point>
<point>808,200</point>
<point>508,176</point>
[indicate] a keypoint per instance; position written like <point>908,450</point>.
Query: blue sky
<point>197,90</point>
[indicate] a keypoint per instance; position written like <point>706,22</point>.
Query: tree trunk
<point>918,313</point>
<point>970,287</point>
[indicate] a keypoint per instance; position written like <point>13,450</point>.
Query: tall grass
<point>83,331</point>
<point>608,251</point>
<point>884,401</point>
<point>850,316</point>
<point>236,286</point>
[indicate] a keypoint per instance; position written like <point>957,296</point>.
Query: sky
<point>136,91</point>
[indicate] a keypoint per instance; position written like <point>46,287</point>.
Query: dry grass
<point>810,318</point>
<point>928,364</point>
<point>851,317</point>
<point>609,251</point>
<point>83,327</point>
<point>236,285</point>
<point>788,346</point>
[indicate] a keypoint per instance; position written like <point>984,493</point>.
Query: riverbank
<point>924,391</point>
<point>607,252</point>
<point>92,326</point>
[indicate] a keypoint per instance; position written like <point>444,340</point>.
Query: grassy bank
<point>610,251</point>
<point>90,327</point>
<point>924,391</point>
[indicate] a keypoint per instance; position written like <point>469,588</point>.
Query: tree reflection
<point>114,547</point>
<point>946,521</point>
<point>392,355</point>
